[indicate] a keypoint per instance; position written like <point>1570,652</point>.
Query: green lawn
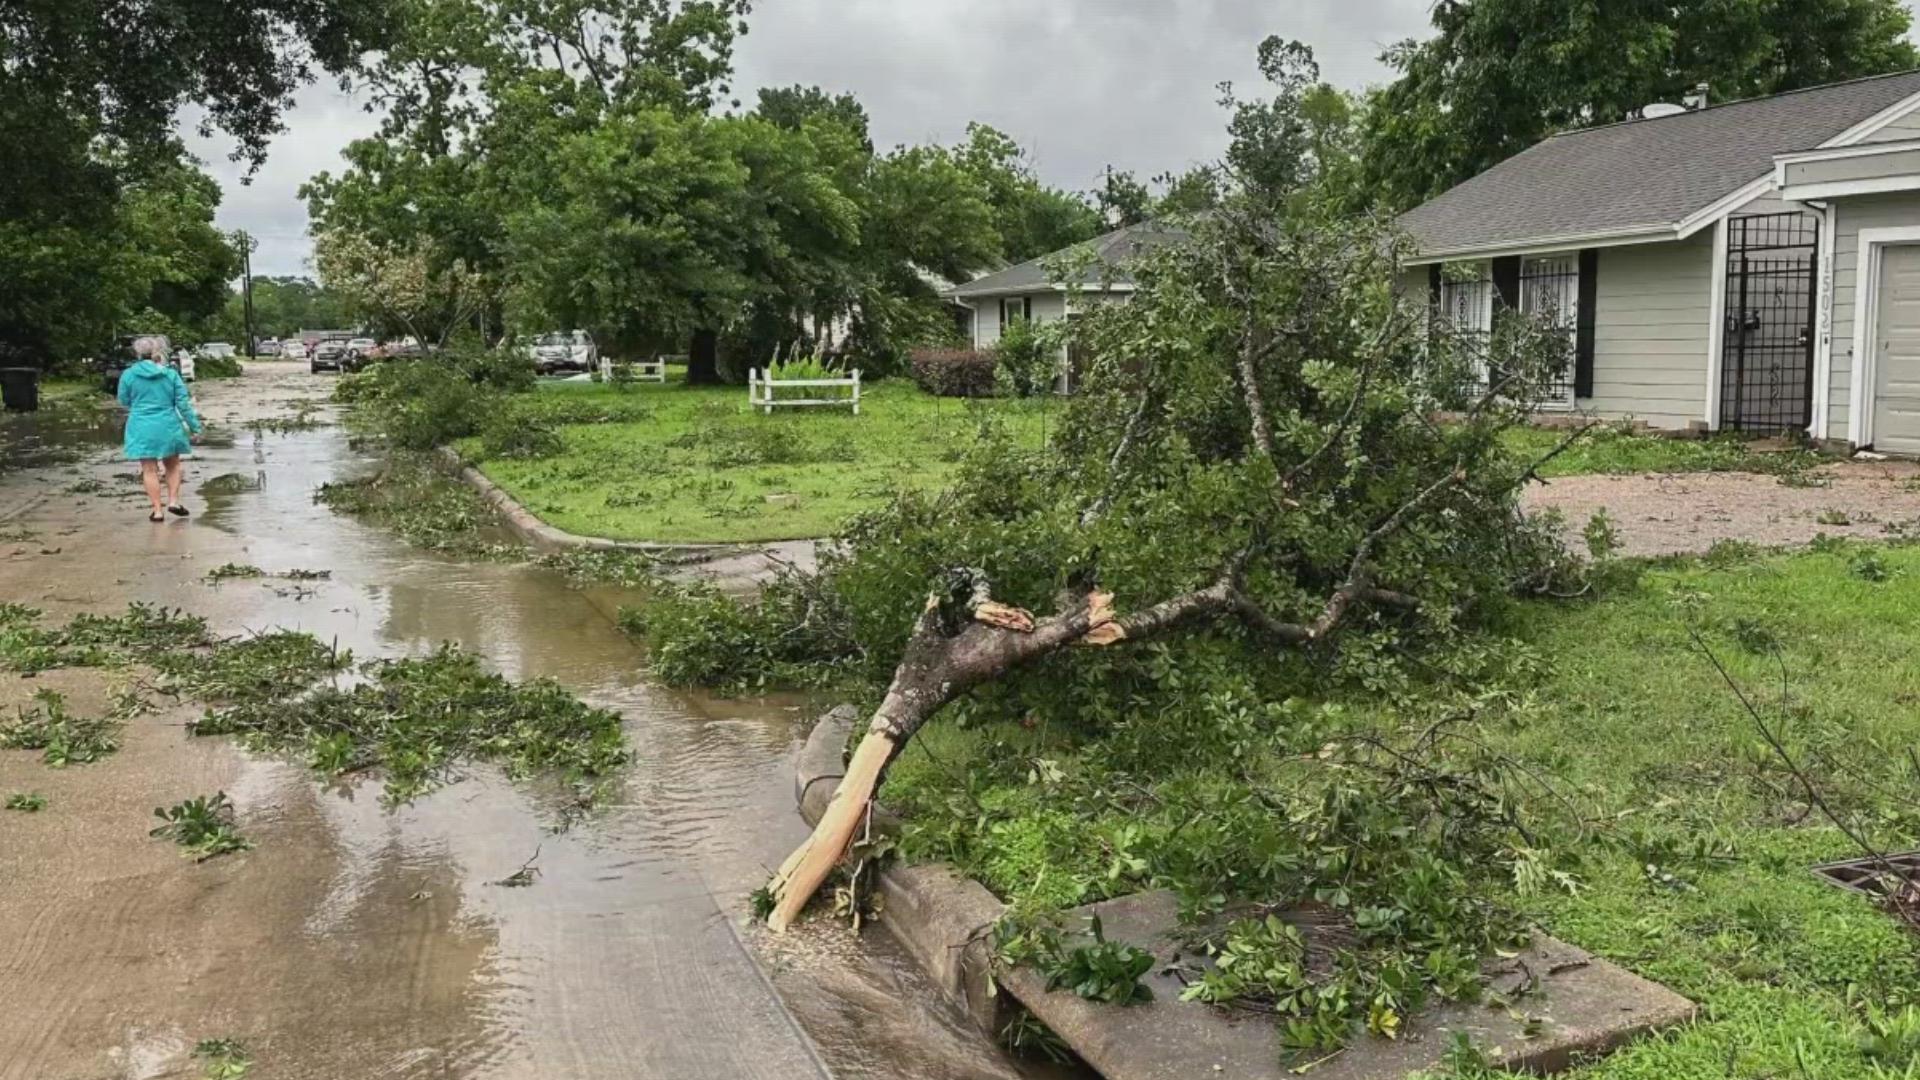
<point>689,464</point>
<point>1691,844</point>
<point>1614,450</point>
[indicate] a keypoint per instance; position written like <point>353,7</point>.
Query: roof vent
<point>1662,108</point>
<point>1700,98</point>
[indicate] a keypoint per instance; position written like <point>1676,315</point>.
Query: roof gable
<point>1643,175</point>
<point>1111,251</point>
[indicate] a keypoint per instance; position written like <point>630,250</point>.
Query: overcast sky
<point>1080,83</point>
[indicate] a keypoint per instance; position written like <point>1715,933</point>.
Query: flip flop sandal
<point>177,510</point>
<point>156,517</point>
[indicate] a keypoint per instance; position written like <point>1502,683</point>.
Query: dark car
<point>119,357</point>
<point>328,353</point>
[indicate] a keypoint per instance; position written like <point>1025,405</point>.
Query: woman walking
<point>160,419</point>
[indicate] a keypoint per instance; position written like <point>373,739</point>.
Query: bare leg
<point>176,473</point>
<point>150,479</point>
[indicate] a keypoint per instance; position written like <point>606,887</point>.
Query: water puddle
<point>390,946</point>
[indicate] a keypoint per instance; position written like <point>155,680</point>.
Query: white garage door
<point>1896,367</point>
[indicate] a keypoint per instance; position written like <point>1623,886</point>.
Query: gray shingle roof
<point>1642,173</point>
<point>1111,253</point>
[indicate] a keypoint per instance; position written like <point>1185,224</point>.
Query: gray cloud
<point>1081,83</point>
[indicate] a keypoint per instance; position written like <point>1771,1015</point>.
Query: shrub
<point>217,367</point>
<point>507,434</point>
<point>954,372</point>
<point>422,403</point>
<point>1025,360</point>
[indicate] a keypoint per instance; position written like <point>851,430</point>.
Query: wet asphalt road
<point>359,941</point>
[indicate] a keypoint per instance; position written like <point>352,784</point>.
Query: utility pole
<point>246,288</point>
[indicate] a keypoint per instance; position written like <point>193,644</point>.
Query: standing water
<point>363,940</point>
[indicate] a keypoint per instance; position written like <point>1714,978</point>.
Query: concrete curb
<point>528,526</point>
<point>1584,1006</point>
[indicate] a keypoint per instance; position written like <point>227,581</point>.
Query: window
<point>1016,308</point>
<point>1550,293</point>
<point>1466,298</point>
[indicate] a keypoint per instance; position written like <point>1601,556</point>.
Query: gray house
<point>1752,266</point>
<point>1028,291</point>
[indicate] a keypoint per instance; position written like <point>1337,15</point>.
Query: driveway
<point>357,940</point>
<point>1666,514</point>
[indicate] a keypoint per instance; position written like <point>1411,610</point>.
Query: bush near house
<point>955,372</point>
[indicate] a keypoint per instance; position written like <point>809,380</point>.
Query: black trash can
<point>20,388</point>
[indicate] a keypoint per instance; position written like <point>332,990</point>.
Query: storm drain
<point>1874,877</point>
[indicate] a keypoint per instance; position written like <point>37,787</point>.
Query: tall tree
<point>1032,218</point>
<point>89,93</point>
<point>1499,75</point>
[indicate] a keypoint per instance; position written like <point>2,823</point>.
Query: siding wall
<point>1049,306</point>
<point>1651,332</point>
<point>1907,127</point>
<point>1864,212</point>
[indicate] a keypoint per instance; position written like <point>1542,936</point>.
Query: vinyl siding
<point>1864,212</point>
<point>1651,332</point>
<point>1770,203</point>
<point>1907,127</point>
<point>1879,166</point>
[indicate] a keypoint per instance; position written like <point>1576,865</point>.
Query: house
<point>1030,291</point>
<point>1751,266</point>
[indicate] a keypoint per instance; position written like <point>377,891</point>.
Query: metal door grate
<point>1766,372</point>
<point>1550,292</point>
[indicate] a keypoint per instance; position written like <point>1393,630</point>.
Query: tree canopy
<point>593,175</point>
<point>1500,75</point>
<point>103,220</point>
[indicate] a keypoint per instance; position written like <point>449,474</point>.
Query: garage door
<point>1896,374</point>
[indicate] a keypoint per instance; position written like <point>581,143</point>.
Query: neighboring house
<point>1029,292</point>
<point>1751,266</point>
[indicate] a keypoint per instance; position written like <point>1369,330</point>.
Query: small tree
<point>413,290</point>
<point>1258,450</point>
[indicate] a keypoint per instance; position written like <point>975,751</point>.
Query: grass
<point>411,497</point>
<point>690,464</point>
<point>26,802</point>
<point>1617,450</point>
<point>1689,841</point>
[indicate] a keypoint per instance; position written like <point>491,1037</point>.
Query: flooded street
<point>361,941</point>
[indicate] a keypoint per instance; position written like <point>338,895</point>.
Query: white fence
<point>761,386</point>
<point>654,370</point>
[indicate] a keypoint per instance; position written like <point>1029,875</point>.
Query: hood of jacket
<point>147,369</point>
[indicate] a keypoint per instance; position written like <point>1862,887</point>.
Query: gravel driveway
<point>1664,514</point>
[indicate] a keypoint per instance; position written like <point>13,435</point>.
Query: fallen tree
<point>1272,442</point>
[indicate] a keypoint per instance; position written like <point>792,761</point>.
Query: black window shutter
<point>1433,285</point>
<point>1506,283</point>
<point>1583,326</point>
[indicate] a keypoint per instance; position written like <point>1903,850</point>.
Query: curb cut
<point>528,526</point>
<point>1587,1006</point>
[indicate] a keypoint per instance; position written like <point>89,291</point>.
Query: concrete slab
<point>1584,1007</point>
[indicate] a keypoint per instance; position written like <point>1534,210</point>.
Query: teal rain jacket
<point>159,411</point>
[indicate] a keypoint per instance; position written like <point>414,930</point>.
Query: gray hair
<point>147,348</point>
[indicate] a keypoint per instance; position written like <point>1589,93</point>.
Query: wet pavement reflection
<point>359,940</point>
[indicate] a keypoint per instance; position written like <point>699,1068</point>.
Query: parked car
<point>119,357</point>
<point>269,347</point>
<point>555,352</point>
<point>329,353</point>
<point>217,350</point>
<point>359,351</point>
<point>183,362</point>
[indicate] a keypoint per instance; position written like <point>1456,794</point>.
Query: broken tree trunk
<point>960,641</point>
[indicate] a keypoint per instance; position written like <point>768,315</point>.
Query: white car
<point>183,363</point>
<point>216,350</point>
<point>558,352</point>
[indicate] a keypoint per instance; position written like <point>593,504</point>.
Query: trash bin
<point>20,388</point>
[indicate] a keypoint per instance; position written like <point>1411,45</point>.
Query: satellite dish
<point>1662,108</point>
